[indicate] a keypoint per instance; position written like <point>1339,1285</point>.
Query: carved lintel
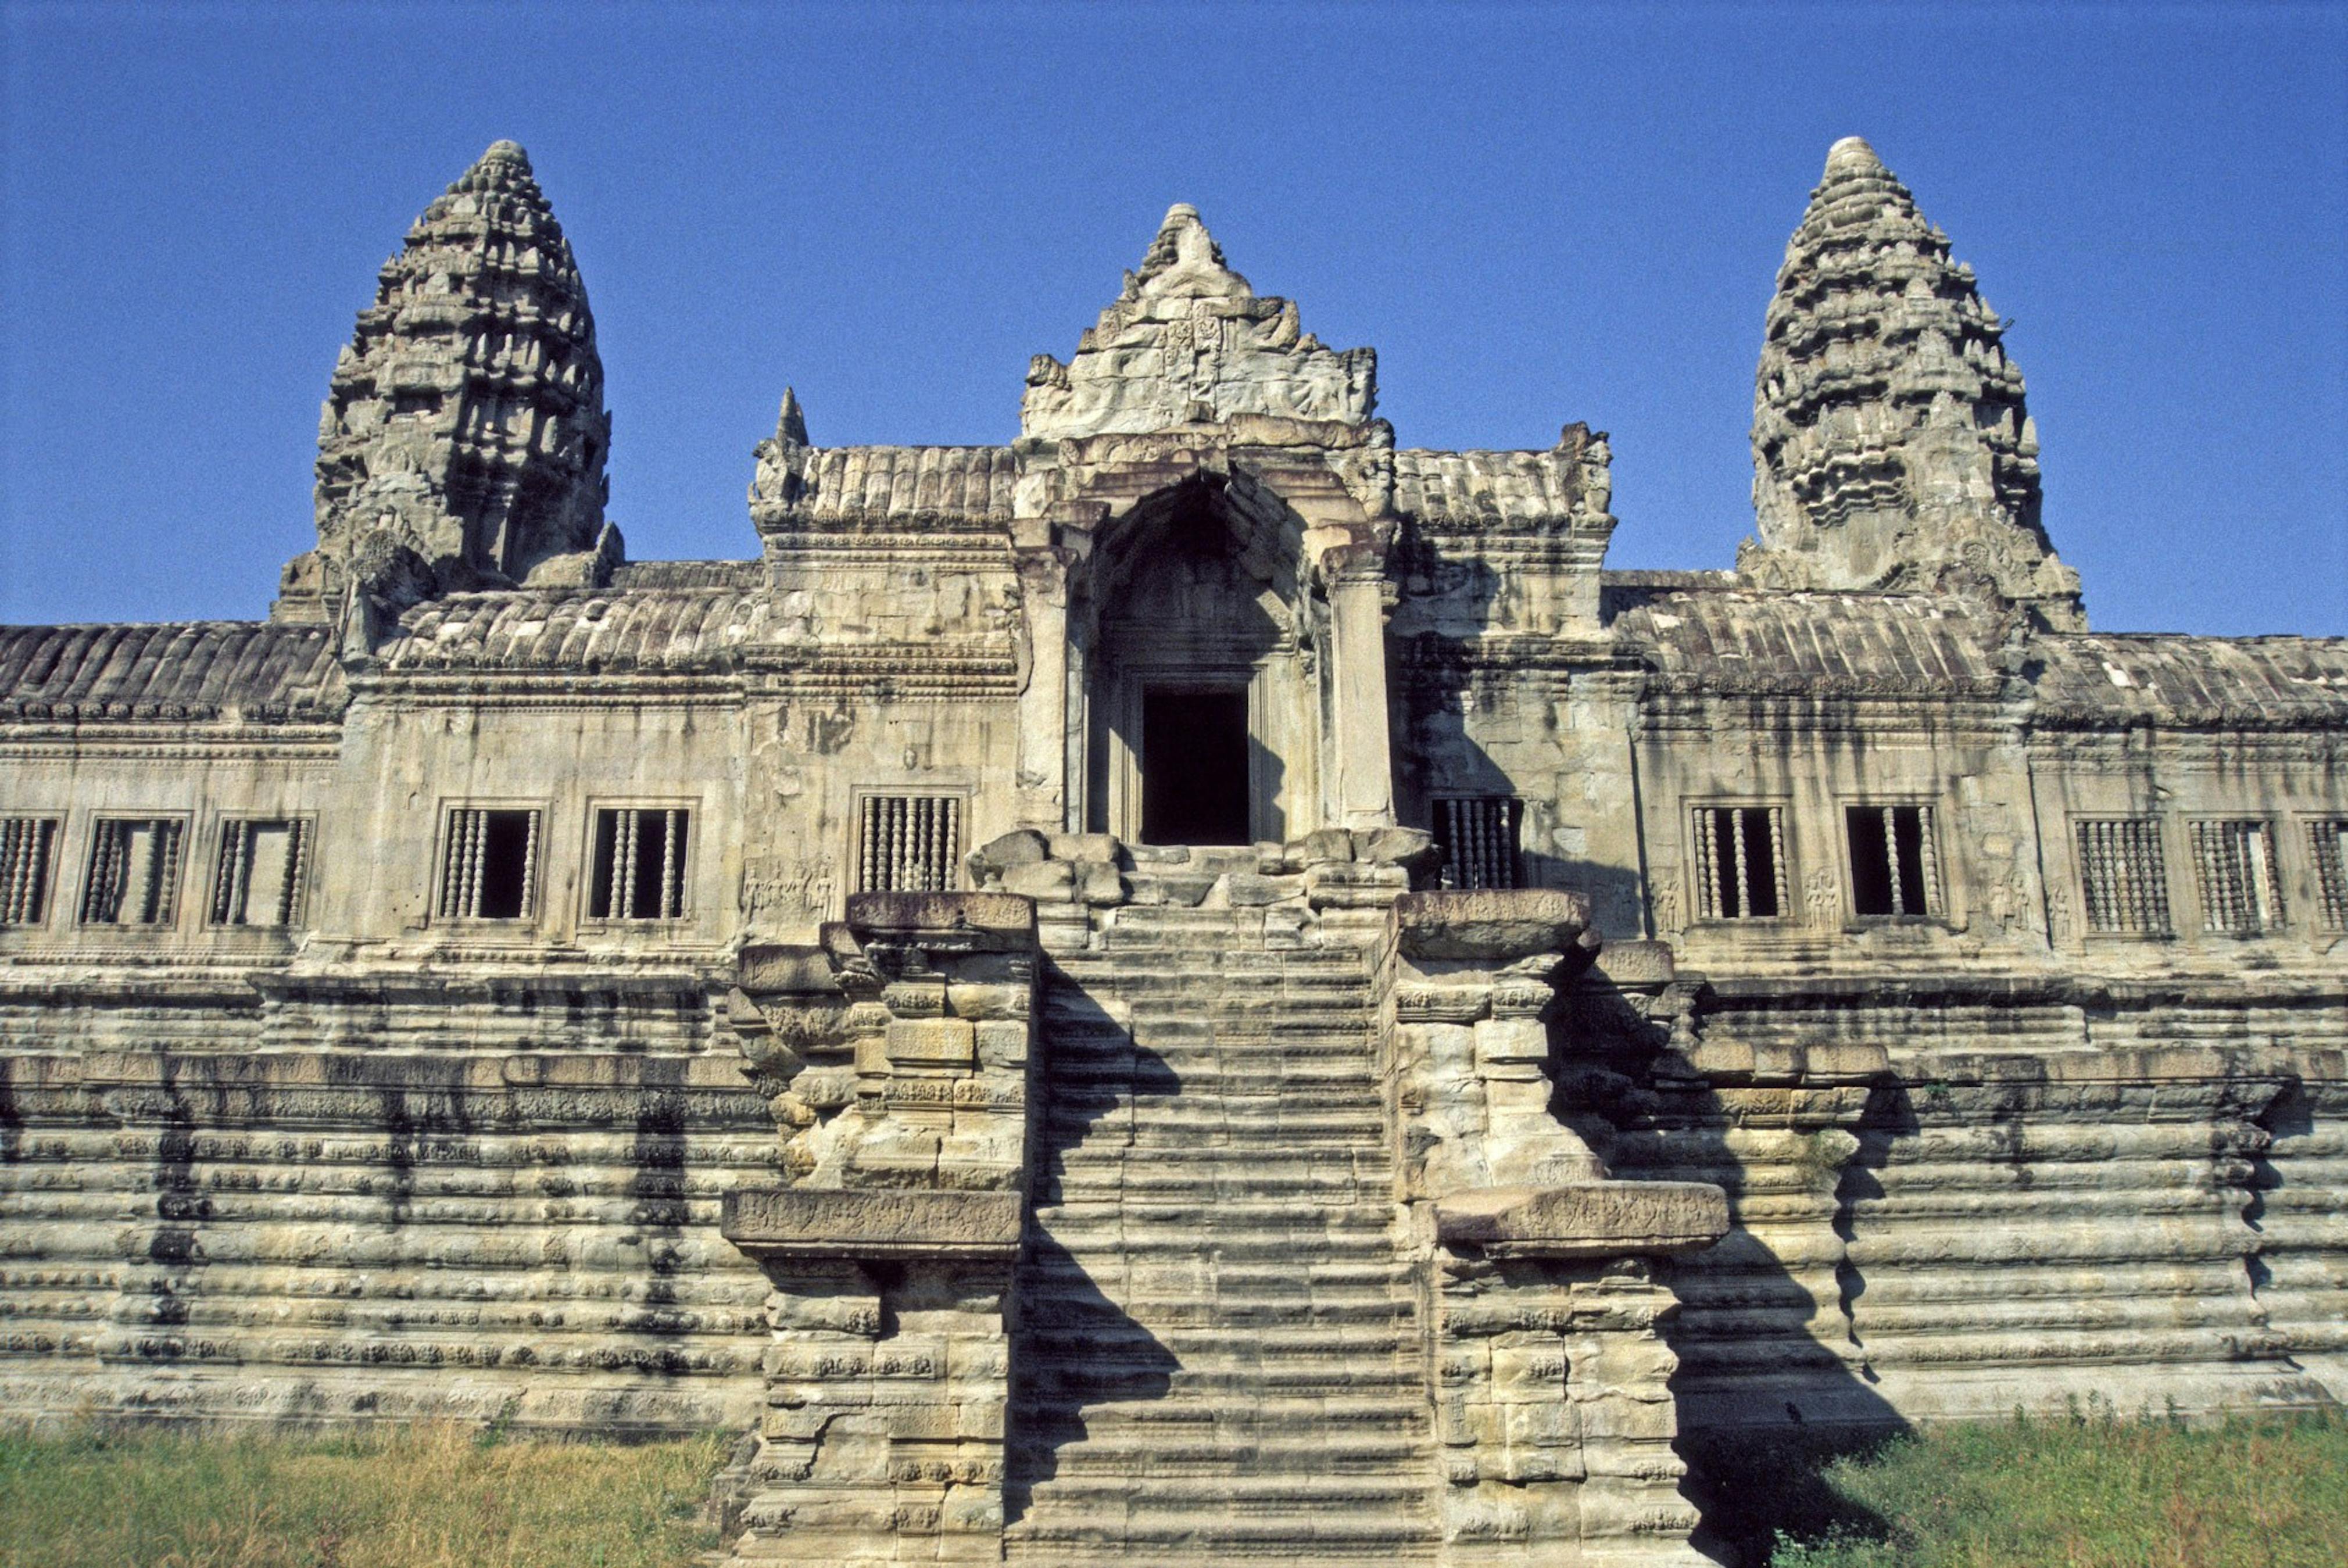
<point>1499,924</point>
<point>1587,1220</point>
<point>872,1226</point>
<point>969,922</point>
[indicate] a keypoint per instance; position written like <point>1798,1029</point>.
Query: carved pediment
<point>1188,342</point>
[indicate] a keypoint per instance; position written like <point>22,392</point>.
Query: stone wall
<point>381,1199</point>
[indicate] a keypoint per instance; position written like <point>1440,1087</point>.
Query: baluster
<point>672,897</point>
<point>530,867</point>
<point>1891,856</point>
<point>624,866</point>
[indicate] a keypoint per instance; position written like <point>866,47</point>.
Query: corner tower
<point>464,437</point>
<point>1891,448</point>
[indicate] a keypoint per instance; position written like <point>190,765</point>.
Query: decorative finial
<point>790,425</point>
<point>1852,155</point>
<point>507,152</point>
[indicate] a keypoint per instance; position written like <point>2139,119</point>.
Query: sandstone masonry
<point>1200,985</point>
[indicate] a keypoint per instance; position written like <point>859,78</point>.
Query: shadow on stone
<point>1072,1346</point>
<point>1764,1405</point>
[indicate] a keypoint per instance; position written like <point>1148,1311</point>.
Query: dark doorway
<point>1194,768</point>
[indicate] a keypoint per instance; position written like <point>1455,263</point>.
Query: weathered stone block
<point>797,1222</point>
<point>927,1042</point>
<point>1041,880</point>
<point>1495,925</point>
<point>1100,849</point>
<point>1598,1219</point>
<point>1504,1041</point>
<point>923,998</point>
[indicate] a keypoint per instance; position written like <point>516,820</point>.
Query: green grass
<point>424,1497</point>
<point>2093,1491</point>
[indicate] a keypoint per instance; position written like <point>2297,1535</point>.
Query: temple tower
<point>1891,448</point>
<point>464,437</point>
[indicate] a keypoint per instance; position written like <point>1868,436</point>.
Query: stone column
<point>1042,797</point>
<point>1553,1408</point>
<point>898,1056</point>
<point>1361,756</point>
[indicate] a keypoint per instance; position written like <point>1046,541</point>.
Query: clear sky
<point>1535,213</point>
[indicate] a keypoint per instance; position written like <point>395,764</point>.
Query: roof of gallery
<point>253,671</point>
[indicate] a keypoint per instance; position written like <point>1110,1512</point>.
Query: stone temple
<point>1200,985</point>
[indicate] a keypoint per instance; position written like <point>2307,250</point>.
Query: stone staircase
<point>1217,1356</point>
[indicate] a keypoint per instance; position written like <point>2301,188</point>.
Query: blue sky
<point>1535,213</point>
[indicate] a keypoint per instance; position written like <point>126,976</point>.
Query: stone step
<point>1077,1376</point>
<point>1097,1217</point>
<point>1270,1413</point>
<point>1083,1450</point>
<point>1234,1498</point>
<point>1168,1064</point>
<point>1189,1116</point>
<point>1219,1352</point>
<point>1231,1182</point>
<point>1191,1529</point>
<point>1262,1034</point>
<point>1238,1285</point>
<point>1047,1313</point>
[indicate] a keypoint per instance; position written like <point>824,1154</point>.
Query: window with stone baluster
<point>2234,862</point>
<point>134,871</point>
<point>261,873</point>
<point>1895,865</point>
<point>908,844</point>
<point>2327,840</point>
<point>1742,871</point>
<point>638,868</point>
<point>1479,839</point>
<point>488,863</point>
<point>2123,876</point>
<point>27,847</point>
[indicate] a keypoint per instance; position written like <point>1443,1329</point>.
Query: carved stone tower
<point>1891,448</point>
<point>464,436</point>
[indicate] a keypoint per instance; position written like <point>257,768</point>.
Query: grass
<point>422,1496</point>
<point>2090,1492</point>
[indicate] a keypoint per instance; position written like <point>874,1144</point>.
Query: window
<point>490,870</point>
<point>1894,869</point>
<point>134,871</point>
<point>2120,870</point>
<point>1479,837</point>
<point>908,844</point>
<point>25,843</point>
<point>263,863</point>
<point>2238,891</point>
<point>1740,857</point>
<point>639,864</point>
<point>2329,840</point>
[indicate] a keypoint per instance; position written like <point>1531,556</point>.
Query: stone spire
<point>1189,344</point>
<point>1890,446</point>
<point>464,435</point>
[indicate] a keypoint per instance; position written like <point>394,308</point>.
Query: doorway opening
<point>1194,767</point>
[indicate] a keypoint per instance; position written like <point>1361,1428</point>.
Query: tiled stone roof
<point>253,672</point>
<point>1468,487</point>
<point>1735,641</point>
<point>635,574</point>
<point>2252,682</point>
<point>1822,644</point>
<point>650,629</point>
<point>821,485</point>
